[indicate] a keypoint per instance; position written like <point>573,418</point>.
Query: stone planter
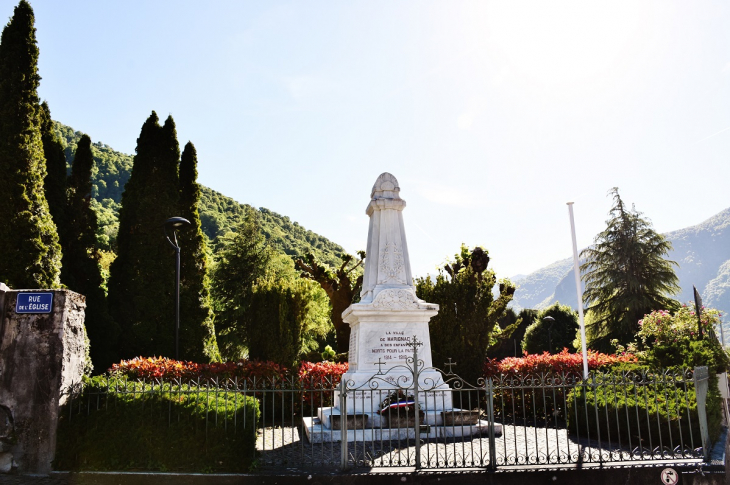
<point>402,418</point>
<point>460,418</point>
<point>354,421</point>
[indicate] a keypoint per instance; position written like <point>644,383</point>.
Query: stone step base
<point>317,432</point>
<point>375,420</point>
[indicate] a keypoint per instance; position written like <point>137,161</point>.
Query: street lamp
<point>551,322</point>
<point>172,224</point>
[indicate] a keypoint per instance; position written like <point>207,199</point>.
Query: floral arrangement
<point>397,400</point>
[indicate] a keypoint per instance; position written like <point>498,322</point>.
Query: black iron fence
<point>501,422</point>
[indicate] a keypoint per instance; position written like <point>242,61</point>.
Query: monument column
<point>389,313</point>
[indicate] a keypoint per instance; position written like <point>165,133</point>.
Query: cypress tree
<point>55,181</point>
<point>142,278</point>
<point>28,237</point>
<point>81,271</point>
<point>197,336</point>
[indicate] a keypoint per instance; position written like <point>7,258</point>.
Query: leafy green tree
<point>197,335</point>
<point>28,237</point>
<point>467,320</point>
<point>55,181</point>
<point>241,262</point>
<point>546,336</point>
<point>265,310</point>
<point>626,276</point>
<point>342,287</point>
<point>510,343</point>
<point>142,277</point>
<point>81,271</point>
<point>287,313</point>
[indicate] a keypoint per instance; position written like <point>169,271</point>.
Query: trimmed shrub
<point>314,381</point>
<point>644,408</point>
<point>118,424</point>
<point>541,336</point>
<point>532,389</point>
<point>563,362</point>
<point>169,369</point>
<point>314,374</point>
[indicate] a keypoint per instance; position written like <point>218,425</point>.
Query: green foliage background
<point>264,309</point>
<point>28,238</point>
<point>219,214</point>
<point>537,338</point>
<point>468,311</point>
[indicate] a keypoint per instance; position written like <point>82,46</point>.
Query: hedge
<point>115,425</point>
<point>563,362</point>
<point>656,406</point>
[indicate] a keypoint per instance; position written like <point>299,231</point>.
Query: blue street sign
<point>34,303</point>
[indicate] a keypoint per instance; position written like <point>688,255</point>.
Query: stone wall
<point>40,355</point>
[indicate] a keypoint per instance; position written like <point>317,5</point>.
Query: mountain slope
<point>702,252</point>
<point>219,214</point>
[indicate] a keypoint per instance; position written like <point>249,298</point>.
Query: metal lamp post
<point>551,322</point>
<point>172,224</point>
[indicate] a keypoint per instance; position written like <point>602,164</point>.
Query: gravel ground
<point>519,445</point>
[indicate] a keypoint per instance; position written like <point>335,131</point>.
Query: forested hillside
<point>219,214</point>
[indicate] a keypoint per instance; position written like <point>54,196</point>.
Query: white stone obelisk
<point>389,314</point>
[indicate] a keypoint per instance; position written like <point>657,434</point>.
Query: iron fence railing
<point>503,422</point>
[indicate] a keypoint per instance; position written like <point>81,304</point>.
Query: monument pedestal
<point>375,427</point>
<point>390,346</point>
<point>380,349</point>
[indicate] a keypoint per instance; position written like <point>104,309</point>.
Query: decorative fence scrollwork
<point>427,418</point>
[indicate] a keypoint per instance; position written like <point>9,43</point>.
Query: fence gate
<point>415,420</point>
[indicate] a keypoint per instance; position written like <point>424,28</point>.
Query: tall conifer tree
<point>626,276</point>
<point>55,181</point>
<point>28,237</point>
<point>81,271</point>
<point>197,336</point>
<point>142,278</point>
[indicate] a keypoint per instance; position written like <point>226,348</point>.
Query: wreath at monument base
<point>399,410</point>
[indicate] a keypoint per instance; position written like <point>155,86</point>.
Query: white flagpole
<point>576,269</point>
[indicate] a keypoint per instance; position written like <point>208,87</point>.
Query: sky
<point>491,115</point>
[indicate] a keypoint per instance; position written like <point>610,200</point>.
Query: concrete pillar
<point>41,354</point>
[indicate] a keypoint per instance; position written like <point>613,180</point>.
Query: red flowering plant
<point>164,369</point>
<point>561,363</point>
<point>316,381</point>
<point>533,388</point>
